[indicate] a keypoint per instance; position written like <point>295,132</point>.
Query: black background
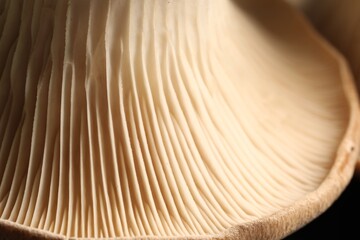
<point>340,220</point>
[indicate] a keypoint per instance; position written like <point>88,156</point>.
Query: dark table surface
<point>340,221</point>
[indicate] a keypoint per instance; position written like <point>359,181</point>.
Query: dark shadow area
<point>340,220</point>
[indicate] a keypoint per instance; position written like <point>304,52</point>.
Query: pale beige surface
<point>339,22</point>
<point>169,118</point>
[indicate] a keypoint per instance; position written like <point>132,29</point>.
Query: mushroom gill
<point>339,22</point>
<point>190,119</point>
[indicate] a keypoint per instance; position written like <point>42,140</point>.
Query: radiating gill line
<point>169,125</point>
<point>77,99</point>
<point>63,157</point>
<point>175,64</point>
<point>53,184</point>
<point>208,123</point>
<point>109,230</point>
<point>169,201</point>
<point>184,214</point>
<point>222,116</point>
<point>205,75</point>
<point>192,126</point>
<point>37,143</point>
<point>136,129</point>
<point>63,195</point>
<point>55,85</point>
<point>43,193</point>
<point>124,170</point>
<point>136,176</point>
<point>156,73</point>
<point>12,182</point>
<point>180,89</point>
<point>41,96</point>
<point>194,168</point>
<point>143,89</point>
<point>102,129</point>
<point>43,87</point>
<point>85,190</point>
<point>139,168</point>
<point>11,116</point>
<point>166,127</point>
<point>135,189</point>
<point>234,111</point>
<point>113,116</point>
<point>158,195</point>
<point>119,156</point>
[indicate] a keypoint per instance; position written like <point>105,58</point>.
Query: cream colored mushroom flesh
<point>339,22</point>
<point>189,119</point>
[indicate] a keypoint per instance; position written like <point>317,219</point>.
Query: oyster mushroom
<point>183,119</point>
<point>339,22</point>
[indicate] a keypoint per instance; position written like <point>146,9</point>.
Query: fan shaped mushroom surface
<point>185,119</point>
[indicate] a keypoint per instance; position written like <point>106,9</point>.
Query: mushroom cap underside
<point>158,119</point>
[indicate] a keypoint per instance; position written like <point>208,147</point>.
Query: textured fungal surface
<point>165,118</point>
<point>339,22</point>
